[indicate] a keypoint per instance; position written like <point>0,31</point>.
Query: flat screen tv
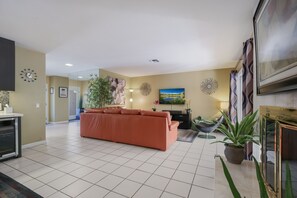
<point>172,96</point>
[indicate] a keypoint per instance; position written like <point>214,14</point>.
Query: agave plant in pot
<point>237,136</point>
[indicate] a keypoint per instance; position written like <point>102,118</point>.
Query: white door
<point>72,104</point>
<point>46,104</point>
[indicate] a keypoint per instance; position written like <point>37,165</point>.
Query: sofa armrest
<point>173,125</point>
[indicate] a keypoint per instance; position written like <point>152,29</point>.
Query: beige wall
<point>58,106</point>
<point>201,104</point>
<point>104,73</point>
<point>27,95</point>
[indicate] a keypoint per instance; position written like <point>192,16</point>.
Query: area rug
<point>10,188</point>
<point>186,135</point>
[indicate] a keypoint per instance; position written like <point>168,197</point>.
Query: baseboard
<point>33,144</point>
<point>61,122</point>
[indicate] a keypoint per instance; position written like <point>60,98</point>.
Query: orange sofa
<point>142,128</point>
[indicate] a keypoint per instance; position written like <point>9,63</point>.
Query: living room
<point>151,46</point>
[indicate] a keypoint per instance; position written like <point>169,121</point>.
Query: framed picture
<point>275,30</point>
<point>52,90</point>
<point>63,92</point>
<point>117,86</point>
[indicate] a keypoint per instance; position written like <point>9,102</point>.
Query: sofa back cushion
<point>112,111</point>
<point>130,111</point>
<point>158,114</point>
<point>95,110</point>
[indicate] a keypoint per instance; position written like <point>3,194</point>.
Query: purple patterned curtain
<point>233,97</point>
<point>247,87</point>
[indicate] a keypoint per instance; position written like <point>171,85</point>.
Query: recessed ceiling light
<point>79,77</point>
<point>154,60</point>
<point>69,64</point>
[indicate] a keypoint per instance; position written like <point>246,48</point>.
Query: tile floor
<point>71,166</point>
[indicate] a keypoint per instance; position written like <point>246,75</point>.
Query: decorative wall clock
<point>28,75</point>
<point>145,89</point>
<point>209,86</point>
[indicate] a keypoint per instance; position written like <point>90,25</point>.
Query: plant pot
<point>234,155</point>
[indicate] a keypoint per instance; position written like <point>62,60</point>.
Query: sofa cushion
<point>130,111</point>
<point>95,110</point>
<point>157,114</point>
<point>112,111</point>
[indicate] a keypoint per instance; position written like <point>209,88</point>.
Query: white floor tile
<point>109,167</point>
<point>147,192</point>
<point>114,195</point>
<point>76,188</point>
<point>62,182</point>
<point>139,176</point>
<point>96,164</point>
<point>133,164</point>
<point>123,171</point>
<point>203,181</point>
<point>110,182</point>
<point>205,171</point>
<point>169,195</point>
<point>94,176</point>
<point>45,191</point>
<point>113,170</point>
<point>201,192</point>
<point>146,167</point>
<point>59,195</point>
<point>164,171</point>
<point>183,176</point>
<point>170,164</point>
<point>127,188</point>
<point>94,191</point>
<point>33,184</point>
<point>120,160</point>
<point>178,188</point>
<point>70,167</point>
<point>187,168</point>
<point>157,182</point>
<point>81,172</point>
<point>50,176</point>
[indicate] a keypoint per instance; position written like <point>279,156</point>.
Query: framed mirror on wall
<point>275,31</point>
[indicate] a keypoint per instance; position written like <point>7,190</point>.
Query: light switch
<point>37,105</point>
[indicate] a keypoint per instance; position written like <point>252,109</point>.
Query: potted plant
<point>99,93</point>
<point>237,135</point>
<point>156,102</point>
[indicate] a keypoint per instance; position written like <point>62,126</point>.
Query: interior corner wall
<point>202,104</point>
<point>103,73</point>
<point>58,106</point>
<point>28,94</point>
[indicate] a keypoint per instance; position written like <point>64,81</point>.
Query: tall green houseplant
<point>99,93</point>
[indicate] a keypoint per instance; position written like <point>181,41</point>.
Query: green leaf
<point>263,192</point>
<point>289,188</point>
<point>232,186</point>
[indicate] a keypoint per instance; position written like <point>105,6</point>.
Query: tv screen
<point>172,96</point>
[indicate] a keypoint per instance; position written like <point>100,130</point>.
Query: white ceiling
<point>123,35</point>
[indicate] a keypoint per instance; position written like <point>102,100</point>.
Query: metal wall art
<point>209,86</point>
<point>145,89</point>
<point>28,75</point>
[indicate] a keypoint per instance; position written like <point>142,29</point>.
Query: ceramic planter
<point>233,154</point>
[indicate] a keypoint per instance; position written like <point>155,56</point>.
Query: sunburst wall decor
<point>28,75</point>
<point>145,89</point>
<point>209,86</point>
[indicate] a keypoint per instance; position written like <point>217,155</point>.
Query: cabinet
<point>7,65</point>
<point>10,137</point>
<point>184,119</point>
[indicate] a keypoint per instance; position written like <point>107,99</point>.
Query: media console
<point>184,119</point>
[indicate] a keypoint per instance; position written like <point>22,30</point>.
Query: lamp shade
<point>224,105</point>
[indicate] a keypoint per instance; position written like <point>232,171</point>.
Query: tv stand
<point>184,119</point>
